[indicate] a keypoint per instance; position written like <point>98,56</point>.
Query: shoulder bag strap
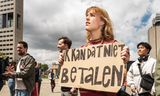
<point>140,70</point>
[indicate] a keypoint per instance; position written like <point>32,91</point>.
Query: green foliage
<point>44,67</point>
<point>3,56</point>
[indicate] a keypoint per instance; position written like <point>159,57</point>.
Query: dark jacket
<point>27,72</point>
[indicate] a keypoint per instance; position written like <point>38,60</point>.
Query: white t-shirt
<point>19,84</point>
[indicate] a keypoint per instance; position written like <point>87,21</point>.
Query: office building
<point>154,36</point>
<point>11,27</point>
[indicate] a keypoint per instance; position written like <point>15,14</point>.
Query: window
<point>157,23</point>
<point>1,20</point>
<point>11,39</point>
<point>10,20</point>
<point>4,21</point>
<point>18,21</point>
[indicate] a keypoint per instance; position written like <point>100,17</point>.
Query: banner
<point>95,68</point>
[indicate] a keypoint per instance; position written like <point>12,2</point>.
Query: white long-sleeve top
<point>134,77</point>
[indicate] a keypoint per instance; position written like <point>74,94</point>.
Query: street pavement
<point>45,89</point>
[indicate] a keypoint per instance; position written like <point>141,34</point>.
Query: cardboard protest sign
<point>96,68</point>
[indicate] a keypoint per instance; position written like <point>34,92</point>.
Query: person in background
<point>51,77</point>
<point>39,77</point>
<point>64,43</point>
<point>4,61</point>
<point>1,79</point>
<point>147,65</point>
<point>25,71</point>
<point>157,75</point>
<point>35,89</point>
<point>11,80</point>
<point>99,31</point>
<point>1,82</point>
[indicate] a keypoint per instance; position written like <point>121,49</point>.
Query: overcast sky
<point>47,20</point>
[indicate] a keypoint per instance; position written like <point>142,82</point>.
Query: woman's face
<point>93,21</point>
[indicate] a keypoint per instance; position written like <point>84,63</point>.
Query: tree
<point>44,67</point>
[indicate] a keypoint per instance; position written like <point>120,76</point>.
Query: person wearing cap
<point>147,65</point>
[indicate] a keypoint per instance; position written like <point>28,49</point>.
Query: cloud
<point>47,20</point>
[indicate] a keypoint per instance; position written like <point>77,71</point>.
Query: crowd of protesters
<point>24,76</point>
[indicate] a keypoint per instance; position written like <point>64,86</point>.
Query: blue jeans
<point>21,93</point>
<point>11,85</point>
